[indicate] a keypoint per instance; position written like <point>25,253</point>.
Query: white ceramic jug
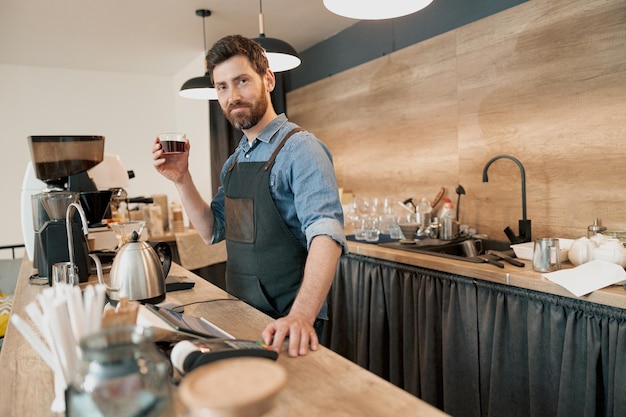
<point>581,251</point>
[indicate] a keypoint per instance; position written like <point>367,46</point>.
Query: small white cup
<point>172,142</point>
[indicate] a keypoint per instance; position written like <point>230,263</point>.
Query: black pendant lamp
<point>281,55</point>
<point>200,88</point>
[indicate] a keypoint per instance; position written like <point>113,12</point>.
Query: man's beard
<point>248,119</point>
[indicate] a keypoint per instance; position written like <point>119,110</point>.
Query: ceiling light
<point>280,54</point>
<point>200,88</point>
<point>375,9</point>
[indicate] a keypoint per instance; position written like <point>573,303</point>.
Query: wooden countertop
<point>525,277</point>
<point>320,384</point>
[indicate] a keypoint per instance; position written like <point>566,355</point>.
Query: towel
<point>588,277</point>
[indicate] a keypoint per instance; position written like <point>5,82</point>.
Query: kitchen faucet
<point>524,224</point>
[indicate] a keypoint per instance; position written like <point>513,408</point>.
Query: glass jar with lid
<point>595,228</point>
<point>122,373</point>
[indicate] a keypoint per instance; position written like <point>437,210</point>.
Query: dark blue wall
<point>367,40</point>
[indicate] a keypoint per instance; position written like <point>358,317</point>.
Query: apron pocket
<point>240,220</point>
<point>249,289</point>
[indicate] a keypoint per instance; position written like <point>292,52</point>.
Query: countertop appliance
<point>110,174</point>
<point>55,159</point>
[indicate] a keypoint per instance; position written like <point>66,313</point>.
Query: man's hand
<point>297,328</point>
<point>319,271</point>
<point>171,166</point>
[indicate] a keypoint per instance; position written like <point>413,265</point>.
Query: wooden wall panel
<point>391,123</point>
<point>544,81</point>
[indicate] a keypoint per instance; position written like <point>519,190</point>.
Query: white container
<point>525,250</point>
<point>611,250</point>
<point>599,247</point>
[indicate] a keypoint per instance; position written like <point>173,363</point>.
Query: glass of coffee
<point>172,142</point>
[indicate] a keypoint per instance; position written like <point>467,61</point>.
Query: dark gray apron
<point>265,261</point>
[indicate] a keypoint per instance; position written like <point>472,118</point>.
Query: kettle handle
<point>164,249</point>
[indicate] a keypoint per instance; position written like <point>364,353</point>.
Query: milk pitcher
<point>546,255</point>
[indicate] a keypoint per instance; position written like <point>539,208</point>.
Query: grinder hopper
<point>55,158</point>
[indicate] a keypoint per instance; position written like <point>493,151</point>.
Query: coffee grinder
<point>55,159</point>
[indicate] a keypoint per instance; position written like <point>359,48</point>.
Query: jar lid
<point>115,343</point>
<point>596,227</point>
<point>233,387</point>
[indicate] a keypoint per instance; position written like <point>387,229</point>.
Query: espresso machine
<point>55,159</point>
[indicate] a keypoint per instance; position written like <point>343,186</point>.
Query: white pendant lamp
<point>200,88</point>
<point>375,9</point>
<point>281,55</point>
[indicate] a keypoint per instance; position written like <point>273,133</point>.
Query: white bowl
<point>525,250</point>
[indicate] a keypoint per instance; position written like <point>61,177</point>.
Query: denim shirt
<point>302,183</point>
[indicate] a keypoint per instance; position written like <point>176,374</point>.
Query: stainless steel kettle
<point>138,272</point>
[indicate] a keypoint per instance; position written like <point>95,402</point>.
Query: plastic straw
<point>33,339</point>
<point>89,301</point>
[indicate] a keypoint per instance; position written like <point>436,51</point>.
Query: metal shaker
<point>449,228</point>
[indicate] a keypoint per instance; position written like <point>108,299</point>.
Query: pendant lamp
<point>200,88</point>
<point>375,9</point>
<point>281,55</point>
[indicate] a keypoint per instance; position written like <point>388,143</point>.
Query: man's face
<point>241,92</point>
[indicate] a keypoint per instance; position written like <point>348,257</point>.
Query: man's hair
<point>230,46</point>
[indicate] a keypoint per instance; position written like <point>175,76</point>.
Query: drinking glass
<point>172,142</point>
<point>359,227</point>
<point>363,205</point>
<point>371,226</point>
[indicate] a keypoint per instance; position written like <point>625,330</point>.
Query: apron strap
<point>230,168</point>
<point>270,162</point>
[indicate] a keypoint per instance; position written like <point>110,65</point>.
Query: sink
<point>451,249</point>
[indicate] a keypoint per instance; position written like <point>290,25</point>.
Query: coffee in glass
<point>172,142</point>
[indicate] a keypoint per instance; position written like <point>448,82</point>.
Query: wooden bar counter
<point>526,277</point>
<point>319,384</point>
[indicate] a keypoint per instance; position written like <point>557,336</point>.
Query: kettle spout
<point>96,260</point>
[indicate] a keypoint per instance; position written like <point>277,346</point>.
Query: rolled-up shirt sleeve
<point>328,227</point>
<point>311,179</point>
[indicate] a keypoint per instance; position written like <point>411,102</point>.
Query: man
<point>278,207</point>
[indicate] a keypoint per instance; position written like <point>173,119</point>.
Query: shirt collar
<point>270,130</point>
